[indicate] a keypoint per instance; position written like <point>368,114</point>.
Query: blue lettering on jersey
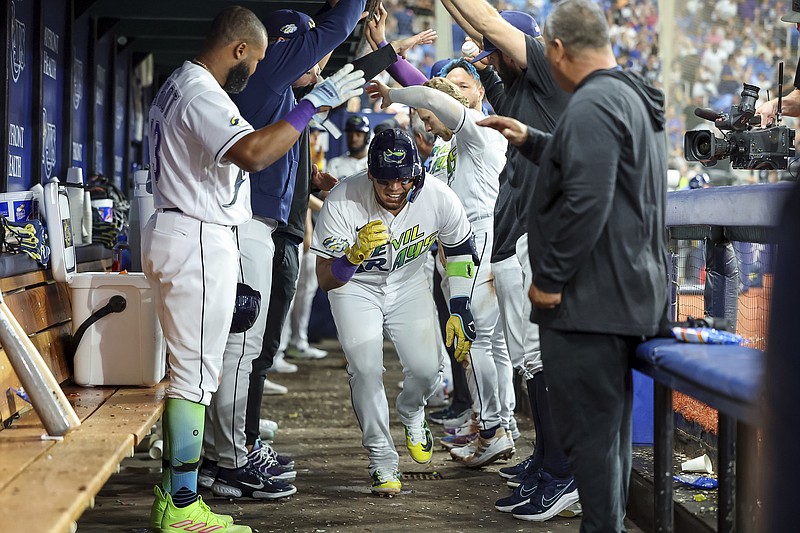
<point>240,179</point>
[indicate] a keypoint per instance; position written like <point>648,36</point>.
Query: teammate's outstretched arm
<point>486,21</point>
<point>449,110</point>
<point>259,149</point>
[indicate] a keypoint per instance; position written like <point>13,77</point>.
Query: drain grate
<point>421,476</point>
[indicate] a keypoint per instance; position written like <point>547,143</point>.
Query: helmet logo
<point>289,28</point>
<point>394,157</point>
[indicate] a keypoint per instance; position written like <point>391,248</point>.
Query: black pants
<point>591,399</point>
<point>284,284</point>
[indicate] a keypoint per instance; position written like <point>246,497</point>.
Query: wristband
<point>342,269</point>
<point>299,117</point>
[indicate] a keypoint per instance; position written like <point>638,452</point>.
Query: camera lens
<point>704,146</point>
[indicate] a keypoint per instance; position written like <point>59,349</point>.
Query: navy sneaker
<point>247,481</point>
<point>552,497</point>
<point>508,472</point>
<point>522,494</point>
<point>207,473</point>
<point>260,459</point>
<point>516,481</point>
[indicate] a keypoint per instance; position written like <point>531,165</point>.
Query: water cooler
<point>116,335</point>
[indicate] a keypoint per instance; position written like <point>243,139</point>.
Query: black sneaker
<point>522,494</point>
<point>246,481</point>
<point>438,417</point>
<point>509,472</point>
<point>207,473</point>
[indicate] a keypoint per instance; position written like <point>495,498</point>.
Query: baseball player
<point>521,84</point>
<point>476,161</point>
<point>371,239</point>
<point>297,44</point>
<point>355,160</point>
<point>201,151</point>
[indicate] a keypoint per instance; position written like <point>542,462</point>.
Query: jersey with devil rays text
<point>443,159</point>
<point>436,213</point>
<point>193,123</point>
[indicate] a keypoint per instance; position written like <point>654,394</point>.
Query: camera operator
<point>791,102</point>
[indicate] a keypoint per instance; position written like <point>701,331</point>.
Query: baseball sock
<point>554,459</point>
<point>184,435</point>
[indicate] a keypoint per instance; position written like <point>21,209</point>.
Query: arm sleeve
<point>404,72</point>
<point>447,109</point>
<point>588,180</point>
<point>376,62</point>
<point>216,123</point>
<point>534,145</point>
<point>495,90</point>
<point>301,53</point>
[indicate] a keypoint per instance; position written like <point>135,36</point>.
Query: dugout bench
<point>45,485</point>
<point>725,377</point>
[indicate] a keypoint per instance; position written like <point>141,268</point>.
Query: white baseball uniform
<point>345,165</point>
<point>188,249</point>
<point>472,168</point>
<point>389,293</point>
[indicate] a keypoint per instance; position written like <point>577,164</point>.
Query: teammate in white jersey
<point>355,160</point>
<point>372,239</point>
<point>477,159</point>
<point>201,151</point>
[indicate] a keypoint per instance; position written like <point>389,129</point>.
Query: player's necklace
<point>201,64</point>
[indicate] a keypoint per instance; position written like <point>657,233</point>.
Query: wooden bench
<point>45,485</point>
<point>727,378</point>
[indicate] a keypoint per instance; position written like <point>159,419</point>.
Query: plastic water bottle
<point>121,254</point>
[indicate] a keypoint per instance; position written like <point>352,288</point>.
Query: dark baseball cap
<point>437,67</point>
<point>287,23</point>
<point>794,16</point>
<point>520,20</point>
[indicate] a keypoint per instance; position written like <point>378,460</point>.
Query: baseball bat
<point>46,395</point>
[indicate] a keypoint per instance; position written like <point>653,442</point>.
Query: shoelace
<point>416,434</point>
<point>261,458</point>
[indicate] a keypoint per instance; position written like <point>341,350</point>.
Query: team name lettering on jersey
<point>411,244</point>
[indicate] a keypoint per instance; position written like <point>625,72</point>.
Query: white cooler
<point>124,348</point>
<point>120,348</point>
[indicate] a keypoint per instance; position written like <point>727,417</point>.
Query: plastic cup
<point>106,209</point>
<point>157,449</point>
<point>698,464</point>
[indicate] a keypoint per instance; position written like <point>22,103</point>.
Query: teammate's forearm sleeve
<point>376,62</point>
<point>404,72</point>
<point>445,107</point>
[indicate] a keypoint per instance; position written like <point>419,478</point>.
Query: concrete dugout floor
<point>318,428</point>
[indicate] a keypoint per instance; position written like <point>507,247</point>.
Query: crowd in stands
<point>717,46</point>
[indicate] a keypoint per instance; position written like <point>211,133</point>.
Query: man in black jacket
<point>597,248</point>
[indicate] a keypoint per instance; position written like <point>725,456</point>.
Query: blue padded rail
<point>725,377</point>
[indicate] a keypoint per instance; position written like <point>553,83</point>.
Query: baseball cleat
<point>207,473</point>
<point>419,441</point>
<point>522,494</point>
<point>386,482</point>
<point>268,466</point>
<point>166,518</point>
<point>438,417</point>
<point>459,454</point>
<point>509,472</point>
<point>489,450</point>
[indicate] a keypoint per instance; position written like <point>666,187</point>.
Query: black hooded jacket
<point>596,231</point>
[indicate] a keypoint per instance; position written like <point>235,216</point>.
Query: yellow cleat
<point>386,482</point>
<point>160,505</point>
<point>419,441</point>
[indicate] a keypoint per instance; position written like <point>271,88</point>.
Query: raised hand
<point>322,180</point>
<point>375,31</point>
<point>402,46</point>
<point>376,90</point>
<point>343,85</point>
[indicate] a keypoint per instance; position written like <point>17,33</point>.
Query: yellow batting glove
<point>370,236</point>
<point>460,327</point>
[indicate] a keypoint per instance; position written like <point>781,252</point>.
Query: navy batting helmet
<point>248,305</point>
<point>357,123</point>
<point>394,156</point>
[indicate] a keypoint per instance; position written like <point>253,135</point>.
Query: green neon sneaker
<point>160,506</point>
<point>419,441</point>
<point>386,481</point>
